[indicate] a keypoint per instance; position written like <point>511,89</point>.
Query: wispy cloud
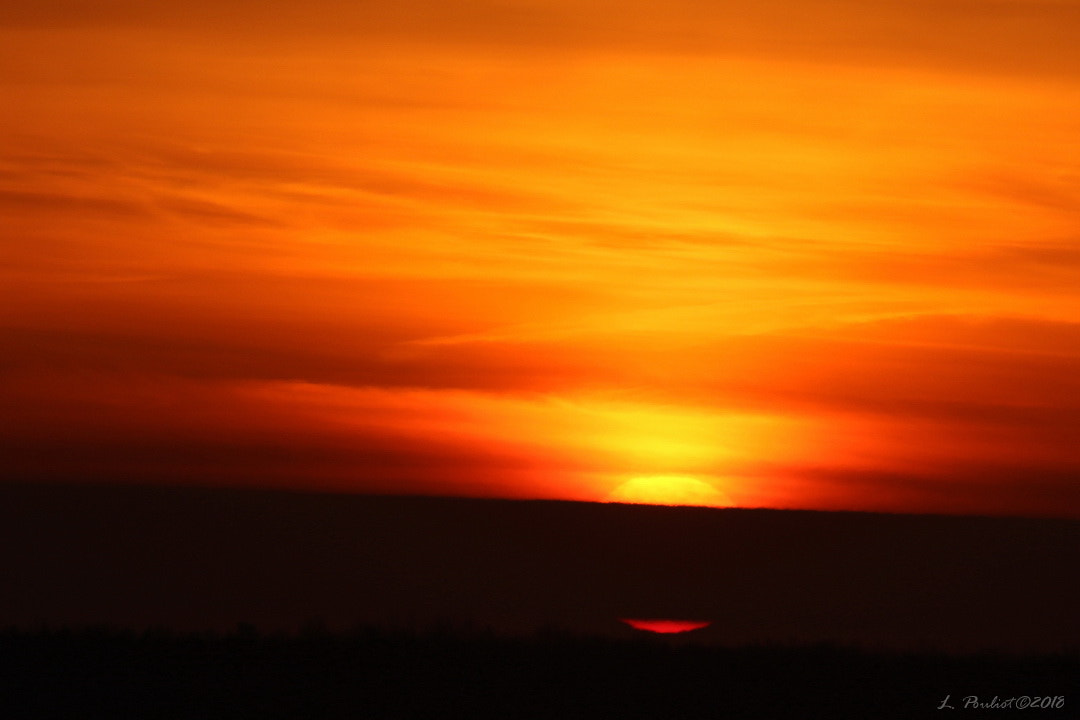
<point>857,219</point>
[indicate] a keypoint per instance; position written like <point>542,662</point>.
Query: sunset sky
<point>802,253</point>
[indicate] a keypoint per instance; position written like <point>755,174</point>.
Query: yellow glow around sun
<point>668,490</point>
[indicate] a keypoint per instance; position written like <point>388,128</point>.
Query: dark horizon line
<point>465,630</point>
<point>152,485</point>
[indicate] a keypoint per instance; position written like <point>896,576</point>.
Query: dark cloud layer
<point>963,34</point>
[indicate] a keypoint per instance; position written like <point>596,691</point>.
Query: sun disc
<point>665,626</point>
<point>668,490</point>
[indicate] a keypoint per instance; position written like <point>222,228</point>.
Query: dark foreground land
<point>948,607</point>
<point>202,558</point>
<point>435,673</point>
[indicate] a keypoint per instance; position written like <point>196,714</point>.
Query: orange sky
<point>813,253</point>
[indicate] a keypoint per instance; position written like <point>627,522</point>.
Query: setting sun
<point>668,490</point>
<point>666,627</point>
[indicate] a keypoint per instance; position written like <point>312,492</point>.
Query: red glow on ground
<point>666,626</point>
